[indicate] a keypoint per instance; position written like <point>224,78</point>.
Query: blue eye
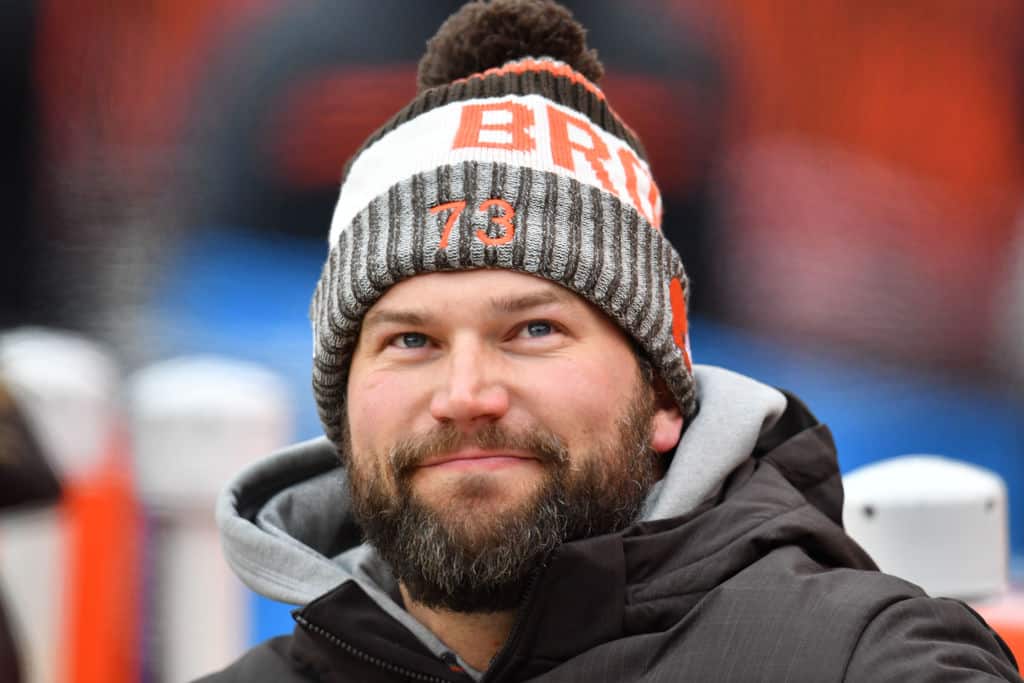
<point>411,340</point>
<point>538,328</point>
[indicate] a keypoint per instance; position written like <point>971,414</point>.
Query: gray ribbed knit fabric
<point>570,225</point>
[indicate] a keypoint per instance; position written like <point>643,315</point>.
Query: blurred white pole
<point>33,572</point>
<point>67,388</point>
<point>937,522</point>
<point>196,421</point>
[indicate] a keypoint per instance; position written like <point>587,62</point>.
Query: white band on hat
<point>527,130</point>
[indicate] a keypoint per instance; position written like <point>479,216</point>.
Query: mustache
<point>409,453</point>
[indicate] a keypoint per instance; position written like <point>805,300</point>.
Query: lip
<point>477,460</point>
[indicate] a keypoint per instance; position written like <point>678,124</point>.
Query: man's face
<point>492,415</point>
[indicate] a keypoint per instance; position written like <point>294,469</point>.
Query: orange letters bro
<point>509,125</point>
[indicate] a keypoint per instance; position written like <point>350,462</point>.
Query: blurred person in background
<point>524,477</point>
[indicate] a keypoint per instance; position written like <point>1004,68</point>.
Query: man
<point>547,488</point>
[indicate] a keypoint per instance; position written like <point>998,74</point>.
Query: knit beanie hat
<point>508,157</point>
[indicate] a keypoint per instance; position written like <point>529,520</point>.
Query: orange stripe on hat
<point>539,65</point>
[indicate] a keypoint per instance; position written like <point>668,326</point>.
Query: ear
<point>667,423</point>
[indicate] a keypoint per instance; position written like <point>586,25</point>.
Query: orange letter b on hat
<point>510,131</point>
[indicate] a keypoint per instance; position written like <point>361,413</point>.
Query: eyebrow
<point>384,317</point>
<point>518,304</point>
<point>505,304</point>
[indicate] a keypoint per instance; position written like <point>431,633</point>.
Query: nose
<point>470,392</point>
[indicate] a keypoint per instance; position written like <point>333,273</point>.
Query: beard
<point>458,554</point>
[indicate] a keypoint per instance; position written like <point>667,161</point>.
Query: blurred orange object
<point>104,524</point>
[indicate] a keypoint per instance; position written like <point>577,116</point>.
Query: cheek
<point>580,398</point>
<point>374,403</point>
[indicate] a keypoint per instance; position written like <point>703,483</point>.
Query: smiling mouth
<point>477,461</point>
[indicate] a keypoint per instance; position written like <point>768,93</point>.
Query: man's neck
<point>475,637</point>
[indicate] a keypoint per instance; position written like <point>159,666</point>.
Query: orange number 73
<point>503,219</point>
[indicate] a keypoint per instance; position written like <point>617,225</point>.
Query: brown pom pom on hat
<point>483,35</point>
<point>509,157</point>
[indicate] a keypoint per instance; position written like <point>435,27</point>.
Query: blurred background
<point>844,180</point>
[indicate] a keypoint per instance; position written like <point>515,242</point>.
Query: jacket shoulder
<point>807,617</point>
<point>800,620</point>
<point>268,662</point>
<point>923,638</point>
